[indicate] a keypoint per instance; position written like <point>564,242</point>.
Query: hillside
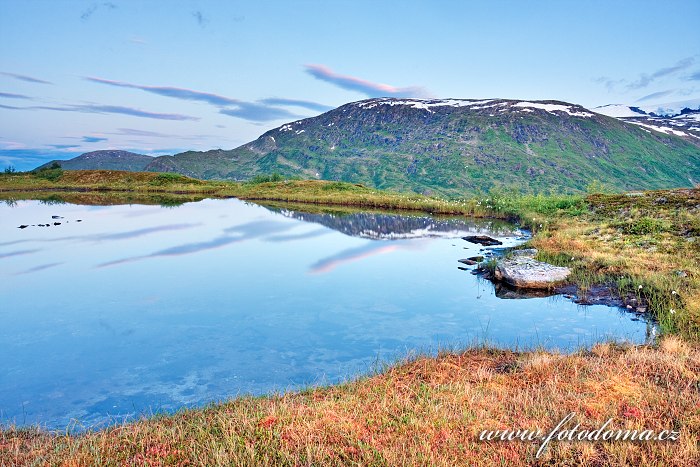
<point>454,147</point>
<point>105,160</point>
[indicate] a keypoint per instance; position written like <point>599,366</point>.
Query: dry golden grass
<point>426,412</point>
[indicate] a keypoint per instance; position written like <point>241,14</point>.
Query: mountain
<point>456,147</point>
<point>106,160</point>
<point>684,122</point>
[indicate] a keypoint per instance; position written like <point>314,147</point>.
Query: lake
<point>122,311</point>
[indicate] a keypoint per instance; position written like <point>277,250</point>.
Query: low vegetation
<point>430,410</point>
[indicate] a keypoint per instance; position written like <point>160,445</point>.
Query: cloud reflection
<point>301,236</point>
<point>178,250</point>
<point>352,254</point>
<point>247,231</point>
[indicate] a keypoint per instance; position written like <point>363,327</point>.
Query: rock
<point>525,272</point>
<point>468,262</point>
<point>56,223</point>
<point>641,309</point>
<point>484,240</point>
<point>478,259</point>
<point>56,217</point>
<point>530,252</point>
<point>22,226</point>
<point>79,220</point>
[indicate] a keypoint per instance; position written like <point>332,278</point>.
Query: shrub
<point>51,173</point>
<point>338,186</point>
<point>642,226</point>
<point>166,178</point>
<point>275,177</point>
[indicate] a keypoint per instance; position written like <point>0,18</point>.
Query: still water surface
<point>139,309</point>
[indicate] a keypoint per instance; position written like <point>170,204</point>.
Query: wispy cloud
<point>258,112</point>
<point>106,109</point>
<point>645,79</point>
<point>93,139</point>
<point>17,253</point>
<point>655,95</point>
<point>136,132</point>
<point>29,79</point>
<point>296,103</point>
<point>694,76</point>
<point>368,88</point>
<point>264,110</point>
<point>64,146</point>
<point>9,95</point>
<point>609,83</point>
<point>169,91</point>
<point>137,41</point>
<point>38,268</point>
<point>200,18</point>
<point>118,109</point>
<point>89,11</point>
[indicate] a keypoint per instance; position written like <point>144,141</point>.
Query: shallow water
<point>139,309</point>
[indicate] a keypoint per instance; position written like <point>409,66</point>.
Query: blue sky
<point>160,77</point>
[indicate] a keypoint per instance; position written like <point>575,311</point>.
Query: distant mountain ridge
<point>455,147</point>
<point>106,160</point>
<point>684,123</point>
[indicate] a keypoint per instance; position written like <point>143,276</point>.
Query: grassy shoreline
<point>429,411</point>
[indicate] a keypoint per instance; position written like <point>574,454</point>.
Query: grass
<point>429,411</point>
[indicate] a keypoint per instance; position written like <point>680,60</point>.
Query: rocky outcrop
<point>522,270</point>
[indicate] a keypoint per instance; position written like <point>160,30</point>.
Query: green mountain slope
<point>457,147</point>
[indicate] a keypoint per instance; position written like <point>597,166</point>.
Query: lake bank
<point>426,411</point>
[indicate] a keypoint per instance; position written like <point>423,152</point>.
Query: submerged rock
<point>484,240</point>
<point>468,262</point>
<point>526,272</point>
<point>509,292</point>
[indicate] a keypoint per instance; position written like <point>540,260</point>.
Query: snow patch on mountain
<point>619,111</point>
<point>424,104</point>
<point>551,108</point>
<point>429,104</point>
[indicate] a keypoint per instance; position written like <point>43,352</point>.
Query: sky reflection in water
<point>141,308</point>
